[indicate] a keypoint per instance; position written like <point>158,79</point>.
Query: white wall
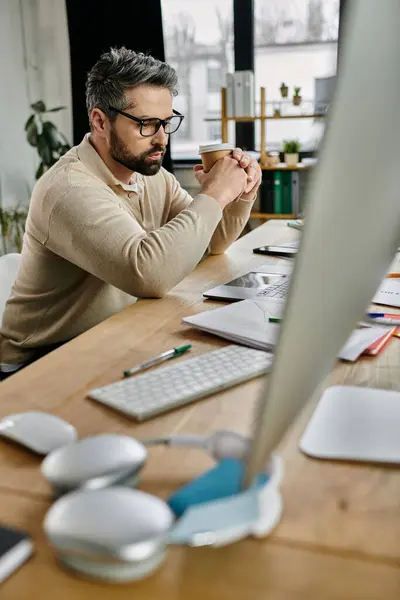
<point>296,66</point>
<point>34,66</point>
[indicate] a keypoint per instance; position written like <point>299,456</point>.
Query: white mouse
<point>38,431</point>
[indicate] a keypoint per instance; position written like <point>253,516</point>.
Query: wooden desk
<point>341,523</point>
<point>249,570</point>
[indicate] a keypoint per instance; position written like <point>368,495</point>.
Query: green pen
<point>158,359</point>
<point>274,320</point>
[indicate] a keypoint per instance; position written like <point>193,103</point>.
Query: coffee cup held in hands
<point>210,153</point>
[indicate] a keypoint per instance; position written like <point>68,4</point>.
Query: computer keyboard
<point>275,290</point>
<point>149,394</point>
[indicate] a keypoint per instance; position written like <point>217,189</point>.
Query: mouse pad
<point>355,423</point>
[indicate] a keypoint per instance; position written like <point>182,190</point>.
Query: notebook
<point>379,344</point>
<point>388,293</point>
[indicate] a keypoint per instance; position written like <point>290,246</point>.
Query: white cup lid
<point>214,147</point>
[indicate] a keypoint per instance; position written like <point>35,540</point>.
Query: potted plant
<point>291,150</point>
<point>42,134</point>
<point>296,96</point>
<point>284,90</point>
<point>277,112</point>
<point>12,227</point>
<point>51,144</point>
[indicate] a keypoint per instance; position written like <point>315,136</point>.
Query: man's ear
<point>100,123</point>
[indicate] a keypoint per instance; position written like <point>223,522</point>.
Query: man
<point>107,224</point>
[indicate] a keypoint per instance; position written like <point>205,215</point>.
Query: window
<point>215,76</point>
<point>198,40</point>
<point>296,44</point>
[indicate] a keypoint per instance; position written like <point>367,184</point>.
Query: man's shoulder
<point>68,173</point>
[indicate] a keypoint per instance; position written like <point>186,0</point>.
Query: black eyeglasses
<point>149,127</point>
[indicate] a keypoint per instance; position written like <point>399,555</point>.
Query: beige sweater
<point>93,245</point>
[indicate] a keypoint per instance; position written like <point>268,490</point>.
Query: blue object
<point>375,315</point>
<point>221,481</point>
<point>214,522</point>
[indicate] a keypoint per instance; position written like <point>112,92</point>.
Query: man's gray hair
<point>121,69</point>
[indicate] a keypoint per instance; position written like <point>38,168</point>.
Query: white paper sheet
<point>247,323</point>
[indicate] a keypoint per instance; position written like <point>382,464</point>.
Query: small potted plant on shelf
<point>277,111</point>
<point>296,96</point>
<point>284,90</point>
<point>291,150</point>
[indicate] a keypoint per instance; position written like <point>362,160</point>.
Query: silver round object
<point>114,534</point>
<point>94,463</point>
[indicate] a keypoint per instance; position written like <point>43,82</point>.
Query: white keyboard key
<point>149,394</point>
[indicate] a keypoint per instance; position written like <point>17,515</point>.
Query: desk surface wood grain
<point>338,518</point>
<point>249,570</point>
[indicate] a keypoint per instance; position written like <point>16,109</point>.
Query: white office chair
<point>9,264</point>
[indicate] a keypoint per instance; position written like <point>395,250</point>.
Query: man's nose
<point>161,137</point>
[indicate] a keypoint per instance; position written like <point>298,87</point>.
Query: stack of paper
<point>247,323</point>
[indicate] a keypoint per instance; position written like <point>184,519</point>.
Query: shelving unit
<point>263,117</point>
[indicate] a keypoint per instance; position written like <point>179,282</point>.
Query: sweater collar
<point>93,161</point>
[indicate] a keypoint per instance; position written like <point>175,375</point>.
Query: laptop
<point>266,281</point>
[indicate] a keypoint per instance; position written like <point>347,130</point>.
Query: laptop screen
<point>254,280</point>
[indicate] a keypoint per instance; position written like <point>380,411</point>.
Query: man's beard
<point>139,164</point>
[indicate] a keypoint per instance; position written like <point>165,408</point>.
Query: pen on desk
<point>158,359</point>
<point>383,321</point>
<point>275,320</point>
<point>393,275</point>
<point>385,318</point>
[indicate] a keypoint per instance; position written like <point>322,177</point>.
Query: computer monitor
<point>352,222</point>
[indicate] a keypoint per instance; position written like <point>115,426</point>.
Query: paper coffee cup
<point>210,153</point>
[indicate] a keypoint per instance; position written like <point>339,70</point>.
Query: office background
<point>51,44</point>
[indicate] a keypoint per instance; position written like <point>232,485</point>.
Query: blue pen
<point>375,315</point>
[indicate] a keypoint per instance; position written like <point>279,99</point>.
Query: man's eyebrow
<point>148,117</point>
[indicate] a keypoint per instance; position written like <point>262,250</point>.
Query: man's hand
<point>217,182</point>
<point>254,174</point>
<point>225,182</point>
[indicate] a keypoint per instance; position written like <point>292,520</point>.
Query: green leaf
<point>40,170</point>
<point>5,223</point>
<point>12,227</point>
<point>44,150</point>
<point>32,132</point>
<point>51,144</point>
<point>29,121</point>
<point>39,106</point>
<point>51,136</point>
<point>291,146</point>
<point>64,149</point>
